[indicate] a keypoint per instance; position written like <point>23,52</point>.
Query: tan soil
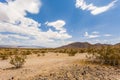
<point>53,67</point>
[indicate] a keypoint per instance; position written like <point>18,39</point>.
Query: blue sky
<point>54,23</point>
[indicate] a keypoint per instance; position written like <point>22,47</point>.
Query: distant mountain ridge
<point>71,45</point>
<point>13,46</point>
<point>118,44</point>
<point>86,45</point>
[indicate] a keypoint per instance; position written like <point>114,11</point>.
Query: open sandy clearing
<point>52,67</point>
<point>34,65</point>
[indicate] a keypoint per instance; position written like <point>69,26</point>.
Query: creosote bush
<point>38,55</point>
<point>43,51</point>
<point>72,52</point>
<point>17,60</point>
<point>106,55</point>
<point>3,56</point>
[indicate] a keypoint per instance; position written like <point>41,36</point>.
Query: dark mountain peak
<point>77,45</point>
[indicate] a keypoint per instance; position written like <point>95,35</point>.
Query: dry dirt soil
<point>60,66</point>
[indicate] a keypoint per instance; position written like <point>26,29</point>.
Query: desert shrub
<point>106,55</point>
<point>43,51</point>
<point>17,60</point>
<point>28,52</point>
<point>82,51</point>
<point>109,55</point>
<point>38,55</point>
<point>43,54</point>
<point>36,52</point>
<point>61,51</point>
<point>3,56</point>
<point>72,52</point>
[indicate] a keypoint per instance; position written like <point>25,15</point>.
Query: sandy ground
<point>36,66</point>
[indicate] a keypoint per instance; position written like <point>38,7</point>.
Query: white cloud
<point>107,35</point>
<point>58,25</point>
<point>93,35</point>
<point>17,9</point>
<point>22,30</point>
<point>17,36</point>
<point>95,32</point>
<point>114,40</point>
<point>92,8</point>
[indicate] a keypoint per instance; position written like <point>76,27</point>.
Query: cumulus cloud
<point>14,10</point>
<point>58,25</point>
<point>16,28</point>
<point>92,8</point>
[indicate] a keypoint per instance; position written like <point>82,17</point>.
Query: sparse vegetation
<point>38,55</point>
<point>17,60</point>
<point>3,56</point>
<point>43,54</point>
<point>106,55</point>
<point>101,55</point>
<point>72,52</point>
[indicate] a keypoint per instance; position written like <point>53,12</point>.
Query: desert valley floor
<point>60,66</point>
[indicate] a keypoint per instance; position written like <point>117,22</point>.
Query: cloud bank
<point>94,10</point>
<point>17,29</point>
